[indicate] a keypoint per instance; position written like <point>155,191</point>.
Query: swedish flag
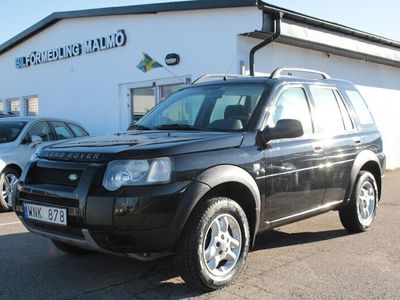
<point>147,64</point>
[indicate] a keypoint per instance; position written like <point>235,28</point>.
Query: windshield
<point>215,107</point>
<point>9,130</point>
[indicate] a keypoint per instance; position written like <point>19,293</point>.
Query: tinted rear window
<point>361,108</point>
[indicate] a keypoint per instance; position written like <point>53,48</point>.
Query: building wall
<point>378,84</point>
<point>86,88</point>
<point>92,88</point>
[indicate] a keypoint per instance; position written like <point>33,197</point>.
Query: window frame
<point>348,110</point>
<point>274,99</point>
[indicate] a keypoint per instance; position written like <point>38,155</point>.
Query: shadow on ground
<point>32,267</point>
<point>275,239</point>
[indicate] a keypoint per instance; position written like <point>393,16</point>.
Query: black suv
<point>207,169</point>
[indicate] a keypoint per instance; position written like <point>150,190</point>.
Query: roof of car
<point>268,80</point>
<point>33,119</point>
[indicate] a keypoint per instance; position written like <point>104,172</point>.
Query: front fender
<point>210,179</point>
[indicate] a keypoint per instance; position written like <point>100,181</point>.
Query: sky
<point>377,17</point>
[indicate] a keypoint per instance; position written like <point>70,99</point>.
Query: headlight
<point>137,172</point>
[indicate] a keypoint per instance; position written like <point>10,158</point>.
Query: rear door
<point>295,181</point>
<point>341,141</point>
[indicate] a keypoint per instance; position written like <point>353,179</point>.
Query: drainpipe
<point>272,38</point>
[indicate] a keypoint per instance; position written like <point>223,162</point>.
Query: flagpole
<point>173,74</point>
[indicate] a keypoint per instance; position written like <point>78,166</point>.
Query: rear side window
<point>329,114</point>
<point>78,131</point>
<point>361,108</point>
<point>62,131</point>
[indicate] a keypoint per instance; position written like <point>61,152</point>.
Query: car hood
<point>140,144</point>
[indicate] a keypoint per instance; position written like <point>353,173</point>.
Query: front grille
<point>73,230</point>
<point>55,176</point>
<point>45,199</point>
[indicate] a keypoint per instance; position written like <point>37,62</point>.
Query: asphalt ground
<point>312,259</point>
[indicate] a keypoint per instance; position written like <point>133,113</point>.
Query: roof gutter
<point>276,35</point>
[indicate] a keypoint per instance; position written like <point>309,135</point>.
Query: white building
<point>81,65</point>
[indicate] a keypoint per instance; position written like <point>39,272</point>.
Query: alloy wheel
<point>222,245</point>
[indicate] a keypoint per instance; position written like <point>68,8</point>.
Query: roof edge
<point>303,18</point>
<point>121,10</point>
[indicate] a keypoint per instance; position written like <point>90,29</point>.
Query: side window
<point>361,108</point>
<point>41,129</point>
<point>292,104</point>
<point>328,111</point>
<point>77,130</point>
<point>62,131</point>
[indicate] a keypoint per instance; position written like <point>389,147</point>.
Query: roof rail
<point>278,72</point>
<point>203,78</point>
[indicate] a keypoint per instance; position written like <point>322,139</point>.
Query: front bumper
<point>141,222</point>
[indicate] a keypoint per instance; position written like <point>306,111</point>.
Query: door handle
<point>357,141</point>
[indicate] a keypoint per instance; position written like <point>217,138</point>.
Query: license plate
<point>47,214</point>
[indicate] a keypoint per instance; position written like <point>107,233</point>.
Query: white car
<point>19,137</point>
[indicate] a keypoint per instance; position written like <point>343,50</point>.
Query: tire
<point>205,241</point>
<point>360,213</point>
<point>7,178</point>
<point>71,249</point>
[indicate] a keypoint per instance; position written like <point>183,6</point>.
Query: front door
<point>294,168</point>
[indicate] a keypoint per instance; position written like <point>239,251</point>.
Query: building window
<point>1,107</point>
<point>14,107</point>
<point>168,89</point>
<point>32,106</point>
<point>143,98</point>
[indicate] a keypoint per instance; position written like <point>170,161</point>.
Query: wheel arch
<point>365,161</point>
<point>226,181</point>
<point>15,167</point>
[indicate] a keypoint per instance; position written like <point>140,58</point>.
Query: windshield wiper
<point>177,127</point>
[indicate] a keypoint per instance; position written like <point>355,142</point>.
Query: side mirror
<point>284,129</point>
<point>36,140</point>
